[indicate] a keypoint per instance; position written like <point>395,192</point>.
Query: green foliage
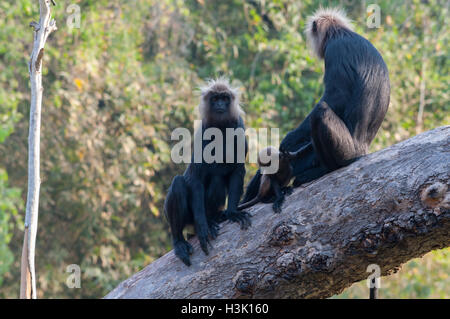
<point>10,96</point>
<point>117,87</point>
<point>10,202</point>
<point>426,277</point>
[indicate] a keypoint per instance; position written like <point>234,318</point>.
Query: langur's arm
<point>235,188</point>
<point>300,152</point>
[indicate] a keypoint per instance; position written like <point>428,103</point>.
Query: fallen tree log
<point>385,209</point>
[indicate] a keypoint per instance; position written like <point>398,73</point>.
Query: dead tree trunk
<point>385,209</point>
<point>42,30</point>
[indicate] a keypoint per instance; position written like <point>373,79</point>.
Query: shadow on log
<point>385,209</point>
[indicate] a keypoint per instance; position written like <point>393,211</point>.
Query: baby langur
<point>274,183</point>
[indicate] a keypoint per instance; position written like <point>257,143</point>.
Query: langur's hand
<point>241,217</point>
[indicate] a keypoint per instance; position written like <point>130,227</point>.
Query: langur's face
<point>316,36</point>
<point>219,103</point>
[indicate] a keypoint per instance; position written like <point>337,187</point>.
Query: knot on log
<point>391,234</point>
<point>289,266</point>
<point>433,195</point>
<point>321,262</point>
<point>369,240</point>
<point>282,234</point>
<point>244,282</point>
<point>370,244</point>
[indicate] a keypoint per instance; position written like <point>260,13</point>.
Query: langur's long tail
<point>176,210</point>
<point>250,203</point>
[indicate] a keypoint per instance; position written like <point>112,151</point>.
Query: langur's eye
<point>314,27</point>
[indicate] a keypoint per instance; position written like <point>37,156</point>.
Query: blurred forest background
<point>117,86</point>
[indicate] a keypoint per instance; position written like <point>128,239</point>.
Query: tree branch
<point>385,209</point>
<point>42,30</point>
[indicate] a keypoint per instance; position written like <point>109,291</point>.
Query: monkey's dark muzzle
<point>220,110</point>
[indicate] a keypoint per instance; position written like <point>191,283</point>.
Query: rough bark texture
<point>385,209</point>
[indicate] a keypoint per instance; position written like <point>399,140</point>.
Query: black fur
<point>199,196</point>
<point>346,119</point>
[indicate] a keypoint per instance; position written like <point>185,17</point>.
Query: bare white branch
<point>42,30</point>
